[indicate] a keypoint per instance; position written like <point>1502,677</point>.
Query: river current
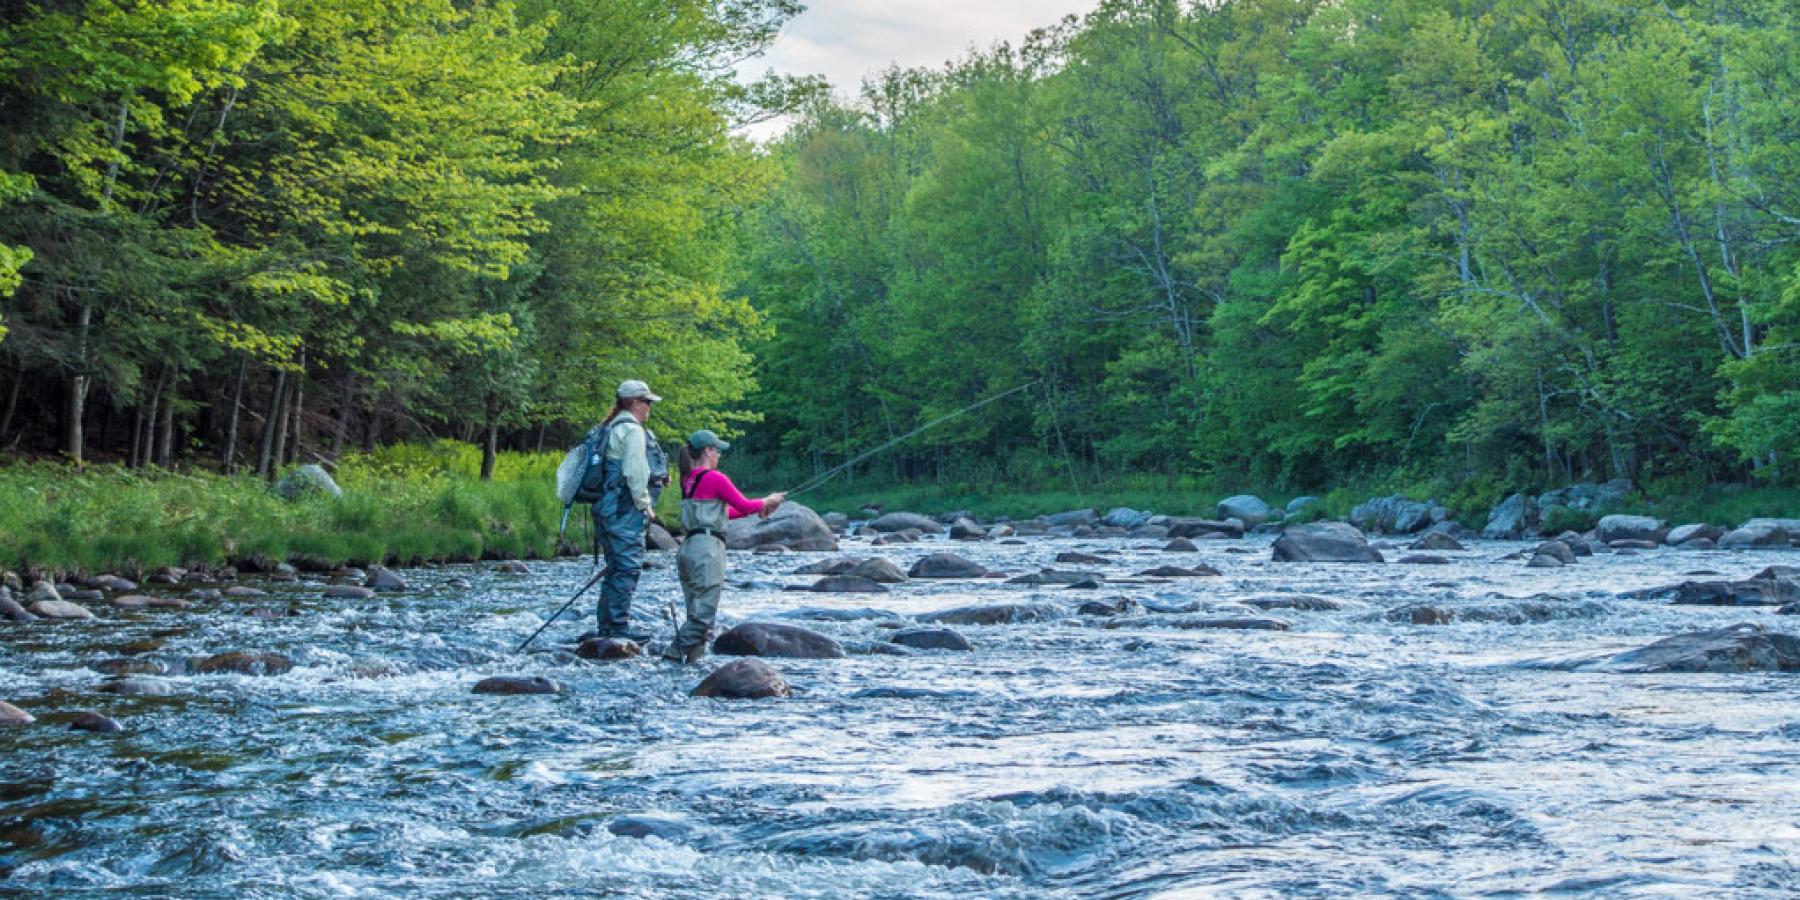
<point>1351,755</point>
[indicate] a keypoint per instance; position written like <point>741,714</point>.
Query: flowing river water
<point>1354,754</point>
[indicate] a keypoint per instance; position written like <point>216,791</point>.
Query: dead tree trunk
<point>271,425</point>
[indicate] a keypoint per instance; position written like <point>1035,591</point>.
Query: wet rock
<point>245,664</point>
<point>112,583</point>
<point>1684,533</point>
<point>994,614</point>
<point>1126,517</point>
<point>1545,561</point>
<point>1561,551</point>
<point>1324,542</point>
<point>1545,608</point>
<point>906,521</point>
<point>517,685</point>
<point>1072,519</point>
<point>1031,528</point>
<point>1081,559</point>
<point>946,565</point>
<point>608,649</point>
<point>897,537</point>
<point>1053,576</point>
<point>1180,572</point>
<point>878,570</point>
<point>382,578</point>
<point>206,595</point>
<point>1299,505</point>
<point>41,592</point>
<point>304,481</point>
<point>1435,541</point>
<point>1773,572</point>
<point>13,612</point>
<point>1749,592</point>
<point>138,686</point>
<point>792,526</point>
<point>1512,519</point>
<point>744,679</point>
<point>848,584</point>
<point>658,538</point>
<point>515,567</point>
<point>1200,528</point>
<point>95,722</point>
<point>1180,545</point>
<point>1738,648</point>
<point>967,530</point>
<point>458,584</point>
<point>836,521</point>
<point>776,639</point>
<point>1697,544</point>
<point>1227,623</point>
<point>839,614</point>
<point>1630,528</point>
<point>1088,584</point>
<point>1117,606</point>
<point>1300,602</point>
<point>1756,537</point>
<point>1250,510</point>
<point>1634,544</point>
<point>665,828</point>
<point>1791,609</point>
<point>59,609</point>
<point>1578,545</point>
<point>136,667</point>
<point>931,639</point>
<point>12,715</point>
<point>1422,559</point>
<point>1791,526</point>
<point>244,593</point>
<point>1397,514</point>
<point>837,565</point>
<point>1151,532</point>
<point>348,592</point>
<point>1001,531</point>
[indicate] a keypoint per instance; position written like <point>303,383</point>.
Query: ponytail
<point>685,462</point>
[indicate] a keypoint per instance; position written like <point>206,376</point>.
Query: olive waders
<point>701,566</point>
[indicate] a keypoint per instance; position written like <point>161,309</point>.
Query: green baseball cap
<point>704,438</point>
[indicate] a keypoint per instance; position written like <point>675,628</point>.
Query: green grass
<point>402,505</point>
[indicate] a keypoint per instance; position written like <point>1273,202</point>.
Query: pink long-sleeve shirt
<point>716,485</point>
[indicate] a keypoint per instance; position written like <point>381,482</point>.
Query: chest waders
<point>619,526</point>
<point>701,566</point>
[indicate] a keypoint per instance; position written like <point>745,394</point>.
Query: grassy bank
<point>401,505</point>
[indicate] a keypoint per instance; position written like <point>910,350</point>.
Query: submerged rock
<point>1749,592</point>
<point>245,664</point>
<point>1117,606</point>
<point>1544,561</point>
<point>743,679</point>
<point>995,614</point>
<point>1630,528</point>
<point>847,584</point>
<point>1180,545</point>
<point>1180,572</point>
<point>837,565</point>
<point>138,686</point>
<point>1325,542</point>
<point>59,609</point>
<point>651,826</point>
<point>13,612</point>
<point>12,715</point>
<point>1436,541</point>
<point>1053,576</point>
<point>95,722</point>
<point>1422,559</point>
<point>517,685</point>
<point>1756,537</point>
<point>1738,648</point>
<point>1301,602</point>
<point>931,639</point>
<point>1073,558</point>
<point>776,639</point>
<point>1511,612</point>
<point>382,578</point>
<point>946,565</point>
<point>348,592</point>
<point>878,570</point>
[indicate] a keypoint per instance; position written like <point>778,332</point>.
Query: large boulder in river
<point>1187,527</point>
<point>792,526</point>
<point>1126,517</point>
<point>1699,531</point>
<point>1515,517</point>
<point>1397,514</point>
<point>517,685</point>
<point>1246,508</point>
<point>1756,537</point>
<point>967,529</point>
<point>903,521</point>
<point>1436,541</point>
<point>878,570</point>
<point>13,612</point>
<point>847,584</point>
<point>12,715</point>
<point>1630,528</point>
<point>994,614</point>
<point>947,565</point>
<point>777,639</point>
<point>59,609</point>
<point>1738,648</point>
<point>1749,592</point>
<point>381,578</point>
<point>931,639</point>
<point>744,679</point>
<point>305,481</point>
<point>245,664</point>
<point>1324,542</point>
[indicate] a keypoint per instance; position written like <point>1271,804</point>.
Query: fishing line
<point>832,473</point>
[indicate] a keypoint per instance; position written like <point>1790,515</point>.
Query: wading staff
<point>565,608</point>
<point>832,473</point>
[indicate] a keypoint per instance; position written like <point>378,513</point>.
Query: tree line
<point>246,232</point>
<point>1521,241</point>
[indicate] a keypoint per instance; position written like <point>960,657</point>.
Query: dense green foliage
<point>1288,242</point>
<point>256,230</point>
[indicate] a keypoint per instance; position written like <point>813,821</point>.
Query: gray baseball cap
<point>704,438</point>
<point>632,389</point>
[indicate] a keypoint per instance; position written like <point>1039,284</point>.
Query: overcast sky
<point>845,40</point>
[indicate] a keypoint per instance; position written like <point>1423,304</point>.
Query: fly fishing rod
<point>565,608</point>
<point>818,480</point>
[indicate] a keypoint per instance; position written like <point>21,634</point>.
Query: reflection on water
<point>1357,753</point>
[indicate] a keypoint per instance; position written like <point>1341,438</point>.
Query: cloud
<point>846,40</point>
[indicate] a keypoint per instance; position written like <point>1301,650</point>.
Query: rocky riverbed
<point>1474,723</point>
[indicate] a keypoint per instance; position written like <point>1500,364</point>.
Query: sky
<point>845,40</point>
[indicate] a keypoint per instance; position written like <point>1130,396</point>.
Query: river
<point>1351,755</point>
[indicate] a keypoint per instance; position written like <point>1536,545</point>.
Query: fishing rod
<point>565,608</point>
<point>818,480</point>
